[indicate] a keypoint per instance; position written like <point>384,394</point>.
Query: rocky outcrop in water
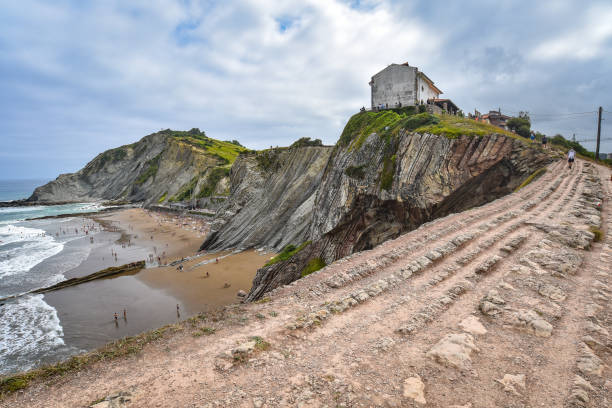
<point>372,190</point>
<point>164,166</point>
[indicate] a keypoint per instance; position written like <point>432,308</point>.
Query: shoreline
<point>154,296</point>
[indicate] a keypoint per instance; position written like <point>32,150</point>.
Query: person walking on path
<point>571,155</point>
<point>532,136</point>
<point>544,141</point>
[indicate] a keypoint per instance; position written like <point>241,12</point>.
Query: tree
<point>520,124</point>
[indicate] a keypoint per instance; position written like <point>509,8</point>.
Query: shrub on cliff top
<point>306,141</point>
<point>287,252</point>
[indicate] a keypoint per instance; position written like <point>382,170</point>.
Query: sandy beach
<point>152,297</point>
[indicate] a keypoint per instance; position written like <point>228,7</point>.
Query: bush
<point>597,232</point>
<point>287,252</point>
<point>306,141</point>
<point>313,265</point>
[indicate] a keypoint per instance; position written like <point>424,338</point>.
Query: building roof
<point>430,82</point>
<point>441,101</point>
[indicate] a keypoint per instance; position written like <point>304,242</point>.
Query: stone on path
<point>512,382</point>
<point>415,389</point>
<point>472,325</point>
<point>454,350</point>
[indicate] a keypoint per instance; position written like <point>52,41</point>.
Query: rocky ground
<point>504,305</point>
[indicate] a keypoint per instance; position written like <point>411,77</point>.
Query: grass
<point>266,299</point>
<point>212,180</point>
<point>313,265</point>
<point>388,171</point>
<point>597,232</point>
<point>163,197</point>
<point>452,127</point>
<point>150,171</point>
<point>225,151</point>
<point>186,191</point>
<point>287,252</point>
<point>536,174</point>
<point>260,343</point>
<point>124,347</point>
<point>204,331</point>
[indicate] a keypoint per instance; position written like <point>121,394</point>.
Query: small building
<point>609,156</point>
<point>401,85</point>
<point>495,118</point>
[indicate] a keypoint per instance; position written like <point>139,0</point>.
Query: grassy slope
<point>387,123</point>
<point>226,152</point>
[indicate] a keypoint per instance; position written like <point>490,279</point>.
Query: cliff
<point>271,200</point>
<point>164,166</point>
<point>389,173</point>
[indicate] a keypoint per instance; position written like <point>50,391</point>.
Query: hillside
<point>164,166</point>
<point>502,305</point>
<point>390,172</point>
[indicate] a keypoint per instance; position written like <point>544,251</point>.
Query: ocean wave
<point>22,248</point>
<point>30,331</point>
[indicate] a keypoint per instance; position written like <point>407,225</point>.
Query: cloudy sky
<point>78,77</point>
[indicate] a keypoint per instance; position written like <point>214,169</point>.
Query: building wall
<point>424,91</point>
<point>394,84</point>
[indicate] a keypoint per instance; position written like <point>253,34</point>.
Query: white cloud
<point>586,38</point>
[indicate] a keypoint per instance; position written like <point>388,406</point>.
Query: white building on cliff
<point>402,85</point>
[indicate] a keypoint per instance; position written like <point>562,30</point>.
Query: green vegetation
<point>212,180</point>
<point>597,232</point>
<point>204,331</point>
<point>260,343</point>
<point>268,160</point>
<point>287,253</point>
<point>306,141</point>
<point>162,198</point>
<point>237,143</point>
<point>313,265</point>
<point>186,191</point>
<point>356,172</point>
<point>536,174</point>
<point>151,167</point>
<point>225,151</point>
<point>124,347</point>
<point>521,124</point>
<point>452,127</point>
<point>112,155</point>
<point>388,171</point>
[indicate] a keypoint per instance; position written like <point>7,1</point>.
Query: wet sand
<point>150,296</point>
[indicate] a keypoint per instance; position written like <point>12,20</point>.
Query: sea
<point>30,330</point>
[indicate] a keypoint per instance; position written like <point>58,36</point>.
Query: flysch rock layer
<point>394,326</point>
<point>429,177</point>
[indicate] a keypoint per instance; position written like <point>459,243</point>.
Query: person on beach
<point>116,316</point>
<point>124,314</point>
<point>570,157</point>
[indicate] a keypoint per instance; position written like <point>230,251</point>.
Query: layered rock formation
<point>167,165</point>
<point>272,198</point>
<point>373,188</point>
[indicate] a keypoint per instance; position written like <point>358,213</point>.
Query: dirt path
<point>503,305</point>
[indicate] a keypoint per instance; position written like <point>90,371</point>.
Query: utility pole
<point>598,133</point>
<point>574,138</point>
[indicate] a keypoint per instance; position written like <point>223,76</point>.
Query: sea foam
<point>22,248</point>
<point>30,331</point>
